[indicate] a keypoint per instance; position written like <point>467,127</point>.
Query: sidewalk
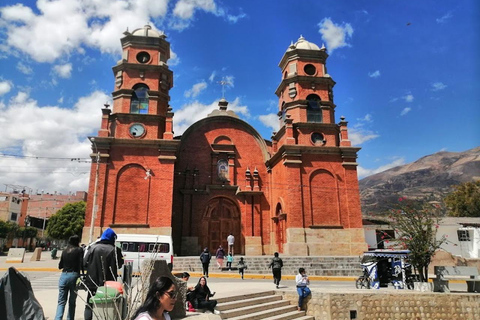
<point>225,284</point>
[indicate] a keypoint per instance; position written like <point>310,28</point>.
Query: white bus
<point>138,247</point>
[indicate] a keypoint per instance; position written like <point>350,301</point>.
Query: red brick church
<point>297,194</point>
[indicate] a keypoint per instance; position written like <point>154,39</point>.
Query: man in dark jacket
<point>102,261</point>
<point>276,264</point>
<point>205,258</point>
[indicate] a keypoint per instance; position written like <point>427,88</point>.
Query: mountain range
<point>430,178</point>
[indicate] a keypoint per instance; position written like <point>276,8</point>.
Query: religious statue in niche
<point>222,170</point>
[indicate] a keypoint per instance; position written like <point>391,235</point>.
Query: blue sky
<point>407,73</point>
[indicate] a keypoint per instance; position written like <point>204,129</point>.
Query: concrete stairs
<point>315,266</point>
<point>262,305</point>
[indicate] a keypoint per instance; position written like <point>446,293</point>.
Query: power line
<point>46,158</point>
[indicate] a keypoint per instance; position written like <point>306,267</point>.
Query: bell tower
<point>133,155</point>
<point>314,168</point>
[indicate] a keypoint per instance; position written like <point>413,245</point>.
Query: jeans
<point>303,292</point>
<point>66,285</point>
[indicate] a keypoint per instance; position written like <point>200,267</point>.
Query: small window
<point>13,217</point>
<point>463,235</point>
<point>310,69</point>
<point>143,57</point>
<point>139,101</point>
<point>317,139</point>
<point>314,112</point>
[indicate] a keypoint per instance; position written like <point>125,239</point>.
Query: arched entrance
<point>280,221</point>
<point>220,218</point>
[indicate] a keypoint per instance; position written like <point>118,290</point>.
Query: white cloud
<point>24,68</point>
<point>437,86</point>
<point>196,89</point>
<point>444,18</point>
<point>270,121</point>
<point>5,87</point>
<point>363,172</point>
<point>64,27</point>
<point>366,118</point>
<point>49,133</point>
<point>174,59</point>
<point>63,70</point>
<point>192,112</point>
<point>358,135</point>
<point>374,74</point>
<point>408,98</point>
<point>234,19</point>
<point>405,111</point>
<point>335,35</point>
<point>212,76</point>
<point>185,9</point>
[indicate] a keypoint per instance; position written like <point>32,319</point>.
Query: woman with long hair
<point>203,295</point>
<point>161,298</point>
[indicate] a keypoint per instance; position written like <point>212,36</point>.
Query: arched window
<point>314,112</point>
<point>139,101</point>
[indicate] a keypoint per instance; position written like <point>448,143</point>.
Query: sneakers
<point>216,311</point>
<point>277,287</point>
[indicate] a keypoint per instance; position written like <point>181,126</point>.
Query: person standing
<point>220,255</point>
<point>102,261</point>
<point>229,261</point>
<point>303,290</point>
<point>205,257</point>
<point>231,242</point>
<point>276,264</point>
<point>242,266</point>
<point>160,299</point>
<point>71,263</point>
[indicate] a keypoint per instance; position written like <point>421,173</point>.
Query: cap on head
<point>109,235</point>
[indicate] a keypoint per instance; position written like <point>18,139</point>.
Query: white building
<point>462,234</point>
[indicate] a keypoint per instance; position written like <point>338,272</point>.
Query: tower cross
<point>224,82</point>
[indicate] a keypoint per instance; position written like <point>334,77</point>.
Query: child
<point>242,265</point>
<point>229,261</point>
<point>302,282</point>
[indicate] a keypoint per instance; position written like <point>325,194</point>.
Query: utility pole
<point>94,207</point>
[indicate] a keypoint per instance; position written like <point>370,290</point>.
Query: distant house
<point>463,235</point>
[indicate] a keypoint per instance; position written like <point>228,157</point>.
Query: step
<point>246,296</point>
<point>253,309</point>
<point>299,315</point>
<point>240,303</point>
<point>264,314</point>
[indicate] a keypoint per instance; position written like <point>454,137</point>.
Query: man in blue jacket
<point>102,260</point>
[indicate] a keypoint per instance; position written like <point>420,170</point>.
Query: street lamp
<point>94,208</point>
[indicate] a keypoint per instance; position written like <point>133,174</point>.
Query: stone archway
<point>220,218</point>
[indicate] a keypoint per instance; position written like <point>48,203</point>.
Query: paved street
<point>44,276</point>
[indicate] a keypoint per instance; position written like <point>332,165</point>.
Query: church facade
<point>296,193</point>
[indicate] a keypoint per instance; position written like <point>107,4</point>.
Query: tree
<point>68,221</point>
<point>417,224</point>
<point>464,201</point>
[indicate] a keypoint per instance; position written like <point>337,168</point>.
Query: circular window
<point>310,69</point>
<point>317,139</point>
<point>143,57</point>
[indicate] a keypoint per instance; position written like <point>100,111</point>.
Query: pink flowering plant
<point>416,224</point>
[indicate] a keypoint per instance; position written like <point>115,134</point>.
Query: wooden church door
<point>221,217</point>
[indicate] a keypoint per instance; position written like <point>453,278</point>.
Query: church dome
<point>303,44</point>
<point>147,31</point>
